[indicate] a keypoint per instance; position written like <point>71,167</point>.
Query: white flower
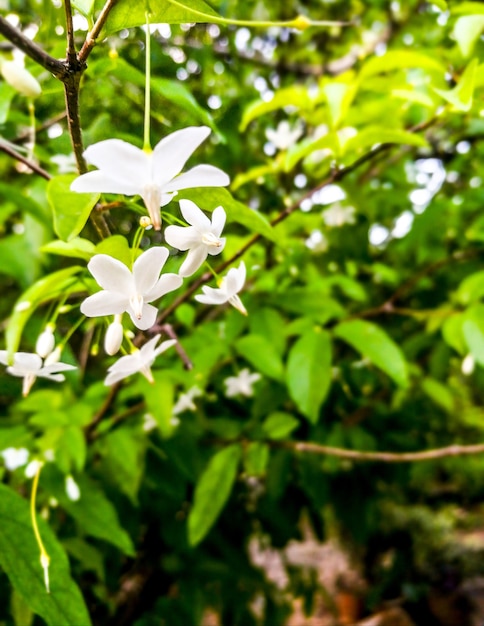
<point>32,468</point>
<point>283,137</point>
<point>130,291</point>
<point>149,422</point>
<point>338,215</point>
<point>241,384</point>
<point>20,79</point>
<point>185,401</point>
<point>30,366</point>
<point>72,489</point>
<point>114,336</point>
<point>140,361</point>
<point>201,238</point>
<point>227,291</point>
<point>45,342</point>
<point>14,457</point>
<point>128,170</point>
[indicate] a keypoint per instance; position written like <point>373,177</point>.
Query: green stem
<point>299,22</point>
<point>146,142</point>
<point>44,557</point>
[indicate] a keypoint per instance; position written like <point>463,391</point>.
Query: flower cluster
<point>154,176</point>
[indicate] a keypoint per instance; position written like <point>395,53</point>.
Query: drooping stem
<point>146,139</point>
<point>44,557</point>
<point>8,149</point>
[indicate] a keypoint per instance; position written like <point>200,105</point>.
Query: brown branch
<point>31,49</point>
<point>94,33</point>
<point>71,46</point>
<point>385,457</point>
<point>5,147</point>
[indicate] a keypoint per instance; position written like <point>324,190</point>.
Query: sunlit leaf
<point>71,209</point>
<point>212,492</point>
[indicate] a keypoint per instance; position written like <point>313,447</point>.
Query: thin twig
<point>94,33</point>
<point>71,46</point>
<point>168,330</point>
<point>5,147</point>
<point>31,49</point>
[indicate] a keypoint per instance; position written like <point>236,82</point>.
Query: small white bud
<point>32,468</point>
<point>45,342</point>
<point>72,489</point>
<point>468,365</point>
<point>113,338</point>
<point>44,562</point>
<point>20,79</point>
<point>53,357</point>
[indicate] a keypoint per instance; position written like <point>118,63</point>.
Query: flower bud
<point>20,79</point>
<point>53,357</point>
<point>114,337</point>
<point>72,489</point>
<point>45,342</point>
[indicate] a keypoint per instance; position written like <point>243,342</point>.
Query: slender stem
<point>147,142</point>
<point>295,23</point>
<point>95,31</point>
<point>5,147</point>
<point>31,49</point>
<point>71,47</point>
<point>44,557</point>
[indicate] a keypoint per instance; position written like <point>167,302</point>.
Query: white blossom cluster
<point>154,176</point>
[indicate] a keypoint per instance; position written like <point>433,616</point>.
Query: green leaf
<point>94,513</point>
<point>339,97</point>
<point>373,135</point>
<point>373,343</point>
<point>461,96</point>
<point>400,59</point>
<point>159,400</point>
<point>211,197</point>
<point>439,393</point>
<point>212,492</point>
<point>468,8</point>
<point>474,337</point>
<point>295,96</point>
<point>262,354</point>
<point>279,425</point>
<point>77,248</point>
<point>20,560</point>
<point>256,458</point>
<point>309,372</point>
<point>441,4</point>
<point>127,14</point>
<point>71,209</point>
<point>116,246</point>
<point>6,94</point>
<point>467,30</point>
<point>84,6</point>
<point>45,289</point>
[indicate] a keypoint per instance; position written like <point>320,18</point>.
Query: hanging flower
<point>130,291</point>
<point>30,366</point>
<point>229,287</point>
<point>201,238</point>
<point>155,176</point>
<point>185,401</point>
<point>140,361</point>
<point>241,384</point>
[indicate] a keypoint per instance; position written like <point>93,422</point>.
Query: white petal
<point>194,215</point>
<point>172,152</point>
<point>198,176</point>
<point>182,237</point>
<point>104,303</point>
<point>195,258</point>
<point>235,279</point>
<point>147,268</point>
<point>114,377</point>
<point>218,220</point>
<point>164,345</point>
<point>111,274</point>
<point>4,357</point>
<point>147,319</point>
<point>167,283</point>
<point>102,182</point>
<point>148,349</point>
<point>214,250</point>
<point>120,160</point>
<point>27,361</point>
<point>212,296</point>
<point>48,370</point>
<point>128,364</point>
